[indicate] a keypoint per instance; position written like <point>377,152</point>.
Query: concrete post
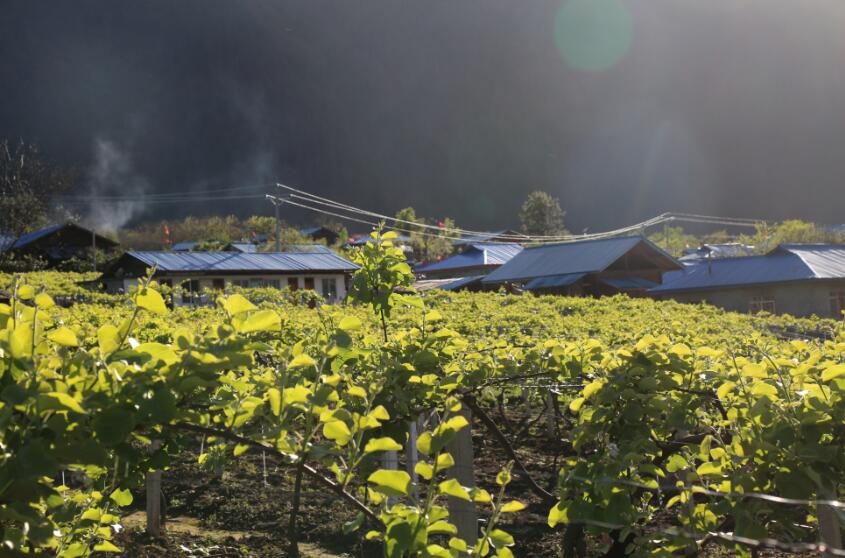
<point>462,513</point>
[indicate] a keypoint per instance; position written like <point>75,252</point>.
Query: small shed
<point>597,267</point>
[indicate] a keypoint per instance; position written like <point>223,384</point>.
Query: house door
<point>309,283</point>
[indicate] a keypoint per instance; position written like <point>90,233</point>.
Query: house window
<point>293,283</point>
<point>837,304</point>
<point>329,288</point>
<point>309,283</point>
<point>190,288</point>
<point>761,304</point>
<point>218,284</point>
<point>242,283</point>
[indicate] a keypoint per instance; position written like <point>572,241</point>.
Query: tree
<point>767,237</point>
<point>28,184</point>
<point>674,240</point>
<point>429,244</point>
<point>541,215</point>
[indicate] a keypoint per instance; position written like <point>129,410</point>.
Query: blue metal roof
<point>184,246</point>
<point>237,261</point>
<point>25,239</point>
<point>6,242</point>
<point>582,256</point>
<point>476,255</point>
<point>827,261</point>
<point>779,267</point>
<point>553,281</point>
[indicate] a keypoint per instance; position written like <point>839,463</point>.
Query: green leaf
<point>150,299</point>
<point>106,546</point>
<point>275,397</point>
<point>558,514</point>
<point>725,389</point>
<point>44,301</point>
<point>382,444</point>
<point>576,404</point>
<point>237,304</point>
<point>453,488</point>
<point>709,469</point>
<point>391,483</point>
<point>57,401</point>
<point>25,292</point>
<point>350,323</point>
<point>20,341</point>
<point>338,431</point>
<point>676,463</point>
<point>65,337</point>
<point>301,361</point>
<point>121,497</point>
<point>108,339</point>
<point>424,470</point>
<point>240,449</point>
<point>833,372</point>
<point>263,320</point>
<point>513,506</point>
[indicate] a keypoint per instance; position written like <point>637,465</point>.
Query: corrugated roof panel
<point>184,246</point>
<point>826,260</point>
<point>238,261</point>
<point>25,239</point>
<point>735,272</point>
<point>553,281</point>
<point>585,256</point>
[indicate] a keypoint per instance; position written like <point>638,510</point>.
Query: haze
<point>459,108</point>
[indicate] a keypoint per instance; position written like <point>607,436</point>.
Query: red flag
<point>441,224</point>
<point>166,234</point>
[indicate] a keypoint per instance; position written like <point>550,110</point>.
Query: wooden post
<point>829,530</point>
<point>154,503</point>
<point>411,455</point>
<point>551,416</point>
<point>462,513</point>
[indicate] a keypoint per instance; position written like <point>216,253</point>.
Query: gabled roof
<point>30,237</point>
<point>786,263</point>
<point>476,255</point>
<point>240,262</point>
<point>582,256</point>
<point>510,236</point>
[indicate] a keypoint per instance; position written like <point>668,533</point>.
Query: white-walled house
<point>319,270</point>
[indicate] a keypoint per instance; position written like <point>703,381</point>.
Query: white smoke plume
<point>113,175</point>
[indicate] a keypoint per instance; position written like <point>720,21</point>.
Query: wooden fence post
<point>411,455</point>
<point>829,529</point>
<point>462,513</point>
<point>153,489</point>
<point>154,503</point>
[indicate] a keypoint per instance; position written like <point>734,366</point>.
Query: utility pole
<point>276,204</point>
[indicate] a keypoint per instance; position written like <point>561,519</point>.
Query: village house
<point>596,267</point>
<point>56,243</point>
<point>320,233</point>
<point>797,279</point>
<point>324,272</point>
